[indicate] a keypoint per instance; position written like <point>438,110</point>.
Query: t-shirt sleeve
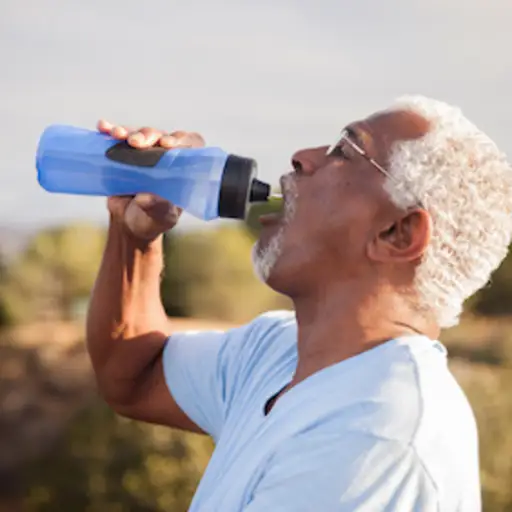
<point>204,370</point>
<point>356,472</point>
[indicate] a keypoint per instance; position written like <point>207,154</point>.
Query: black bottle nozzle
<point>260,191</point>
<point>239,187</point>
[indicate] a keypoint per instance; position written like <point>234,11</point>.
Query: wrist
<point>141,257</point>
<point>132,242</point>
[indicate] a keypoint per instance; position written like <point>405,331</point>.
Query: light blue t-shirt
<point>387,430</point>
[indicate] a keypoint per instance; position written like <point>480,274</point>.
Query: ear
<point>405,239</point>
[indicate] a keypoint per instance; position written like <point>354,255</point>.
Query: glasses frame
<point>345,137</point>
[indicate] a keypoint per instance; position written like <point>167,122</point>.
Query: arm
<point>127,330</point>
<point>189,380</point>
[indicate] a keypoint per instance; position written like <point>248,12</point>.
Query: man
<point>347,404</point>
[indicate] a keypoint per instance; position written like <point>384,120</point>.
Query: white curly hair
<point>465,183</point>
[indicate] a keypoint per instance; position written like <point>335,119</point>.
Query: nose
<point>307,161</point>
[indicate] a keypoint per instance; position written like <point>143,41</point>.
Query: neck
<point>344,320</point>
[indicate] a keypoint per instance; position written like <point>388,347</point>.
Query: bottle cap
<point>259,192</point>
<point>239,187</point>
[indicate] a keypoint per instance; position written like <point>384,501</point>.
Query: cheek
<point>337,223</point>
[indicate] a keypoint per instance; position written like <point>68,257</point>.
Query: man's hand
<point>147,216</point>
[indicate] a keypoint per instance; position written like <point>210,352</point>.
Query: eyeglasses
<point>345,137</point>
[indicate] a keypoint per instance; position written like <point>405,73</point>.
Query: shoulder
<point>265,339</point>
<point>257,336</point>
<point>414,403</point>
<point>406,392</point>
<point>258,331</point>
<point>270,326</point>
<point>273,320</point>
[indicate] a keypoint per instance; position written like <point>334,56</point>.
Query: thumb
<point>147,201</point>
<point>118,204</point>
<point>157,207</point>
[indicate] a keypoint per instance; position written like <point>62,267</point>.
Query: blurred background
<point>258,78</point>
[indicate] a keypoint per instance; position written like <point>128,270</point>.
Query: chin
<point>267,252</point>
<point>266,255</point>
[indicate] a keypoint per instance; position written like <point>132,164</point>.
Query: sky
<point>259,78</point>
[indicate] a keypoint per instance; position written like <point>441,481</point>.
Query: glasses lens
<point>338,141</point>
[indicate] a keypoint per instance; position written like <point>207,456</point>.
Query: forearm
<point>126,324</point>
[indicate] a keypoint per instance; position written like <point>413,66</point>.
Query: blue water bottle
<point>206,182</point>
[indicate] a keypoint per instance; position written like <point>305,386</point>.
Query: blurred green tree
<point>107,463</point>
<point>5,317</point>
<point>57,268</point>
<point>496,298</point>
<point>210,275</point>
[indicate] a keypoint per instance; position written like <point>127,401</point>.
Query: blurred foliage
<point>211,276</point>
<point>107,463</point>
<point>488,389</point>
<point>493,410</point>
<point>208,275</point>
<point>496,298</point>
<point>5,317</point>
<point>57,268</point>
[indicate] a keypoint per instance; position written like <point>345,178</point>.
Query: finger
<point>121,132</point>
<point>145,137</point>
<point>104,126</point>
<point>145,200</point>
<point>152,204</point>
<point>168,141</point>
<point>182,139</point>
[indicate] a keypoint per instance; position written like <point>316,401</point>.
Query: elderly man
<point>346,404</point>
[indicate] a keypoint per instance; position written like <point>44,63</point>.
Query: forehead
<point>391,126</point>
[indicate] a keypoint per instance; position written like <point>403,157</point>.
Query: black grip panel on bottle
<point>126,154</point>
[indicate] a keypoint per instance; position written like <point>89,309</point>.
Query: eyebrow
<point>355,135</point>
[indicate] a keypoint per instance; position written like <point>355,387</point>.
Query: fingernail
<point>145,200</point>
<point>117,131</point>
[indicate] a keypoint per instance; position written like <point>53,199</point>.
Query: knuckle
<point>185,138</point>
<point>197,139</point>
<point>149,131</point>
<point>178,134</point>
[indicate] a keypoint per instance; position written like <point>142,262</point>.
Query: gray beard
<point>265,259</point>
